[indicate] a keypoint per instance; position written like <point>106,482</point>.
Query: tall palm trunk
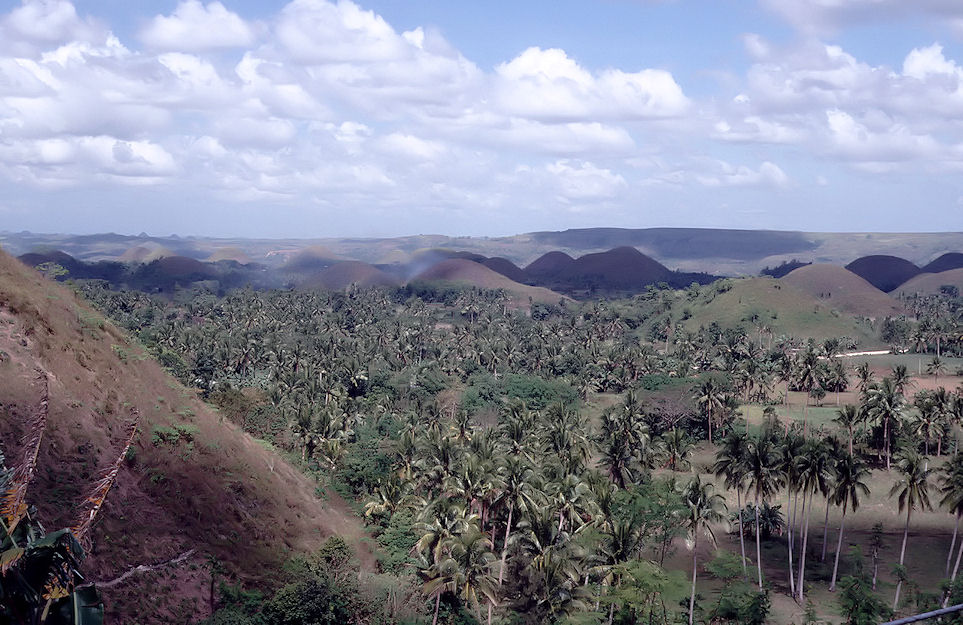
<point>886,439</point>
<point>807,512</point>
<point>758,545</point>
<point>902,553</point>
<point>508,528</point>
<point>956,568</point>
<point>434,621</point>
<point>839,547</point>
<point>822,557</point>
<point>949,555</point>
<point>742,534</point>
<point>791,522</point>
<point>695,568</point>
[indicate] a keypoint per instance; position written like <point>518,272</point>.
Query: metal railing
<point>926,615</point>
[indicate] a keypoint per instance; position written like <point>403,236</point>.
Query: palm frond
<point>95,500</point>
<point>13,505</point>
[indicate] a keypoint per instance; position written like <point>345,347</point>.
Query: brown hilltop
<point>931,283</point>
<point>215,491</point>
<point>882,271</point>
<point>476,274</point>
<point>843,289</point>
<point>342,275</point>
<point>946,262</point>
<point>550,264</point>
<point>506,267</point>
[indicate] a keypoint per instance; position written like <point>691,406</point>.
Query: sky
<point>318,118</point>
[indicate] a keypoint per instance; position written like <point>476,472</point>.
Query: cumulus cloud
<point>194,27</point>
<point>548,85</point>
<point>723,174</point>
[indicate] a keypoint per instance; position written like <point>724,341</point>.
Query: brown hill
<point>342,275</point>
<point>843,289</point>
<point>192,482</point>
<point>884,272</point>
<point>931,283</point>
<point>229,253</point>
<point>619,268</point>
<point>549,265</point>
<point>145,253</point>
<point>476,274</point>
<point>507,268</point>
<point>311,258</point>
<point>950,260</point>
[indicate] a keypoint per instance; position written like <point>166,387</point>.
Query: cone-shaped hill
<point>507,268</point>
<point>193,483</point>
<point>842,289</point>
<point>932,283</point>
<point>884,272</point>
<point>549,265</point>
<point>950,260</point>
<point>460,270</point>
<point>619,269</point>
<point>342,275</point>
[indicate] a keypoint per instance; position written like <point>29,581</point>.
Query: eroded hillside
<point>193,483</point>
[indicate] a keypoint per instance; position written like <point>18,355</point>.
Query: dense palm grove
<point>538,464</point>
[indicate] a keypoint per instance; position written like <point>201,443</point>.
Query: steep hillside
<point>193,484</point>
<point>884,272</point>
<point>476,274</point>
<point>932,283</point>
<point>782,308</point>
<point>843,290</point>
<point>341,275</point>
<point>946,262</point>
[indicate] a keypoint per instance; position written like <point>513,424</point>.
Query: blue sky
<point>389,117</point>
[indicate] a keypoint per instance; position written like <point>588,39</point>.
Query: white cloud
<point>195,27</point>
<point>723,174</point>
<point>581,181</point>
<point>548,85</point>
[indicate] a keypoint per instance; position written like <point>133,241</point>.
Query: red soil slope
<point>843,289</point>
<point>215,490</point>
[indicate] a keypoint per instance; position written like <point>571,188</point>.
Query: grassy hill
<point>193,481</point>
<point>842,289</point>
<point>785,309</point>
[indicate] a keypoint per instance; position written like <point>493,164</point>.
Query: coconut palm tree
<point>951,487</point>
<point>789,450</point>
<point>848,485</point>
<point>886,405</point>
<point>814,468</point>
<point>731,465</point>
<point>710,395</point>
<point>912,491</point>
<point>764,478</point>
<point>703,507</point>
<point>848,417</point>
